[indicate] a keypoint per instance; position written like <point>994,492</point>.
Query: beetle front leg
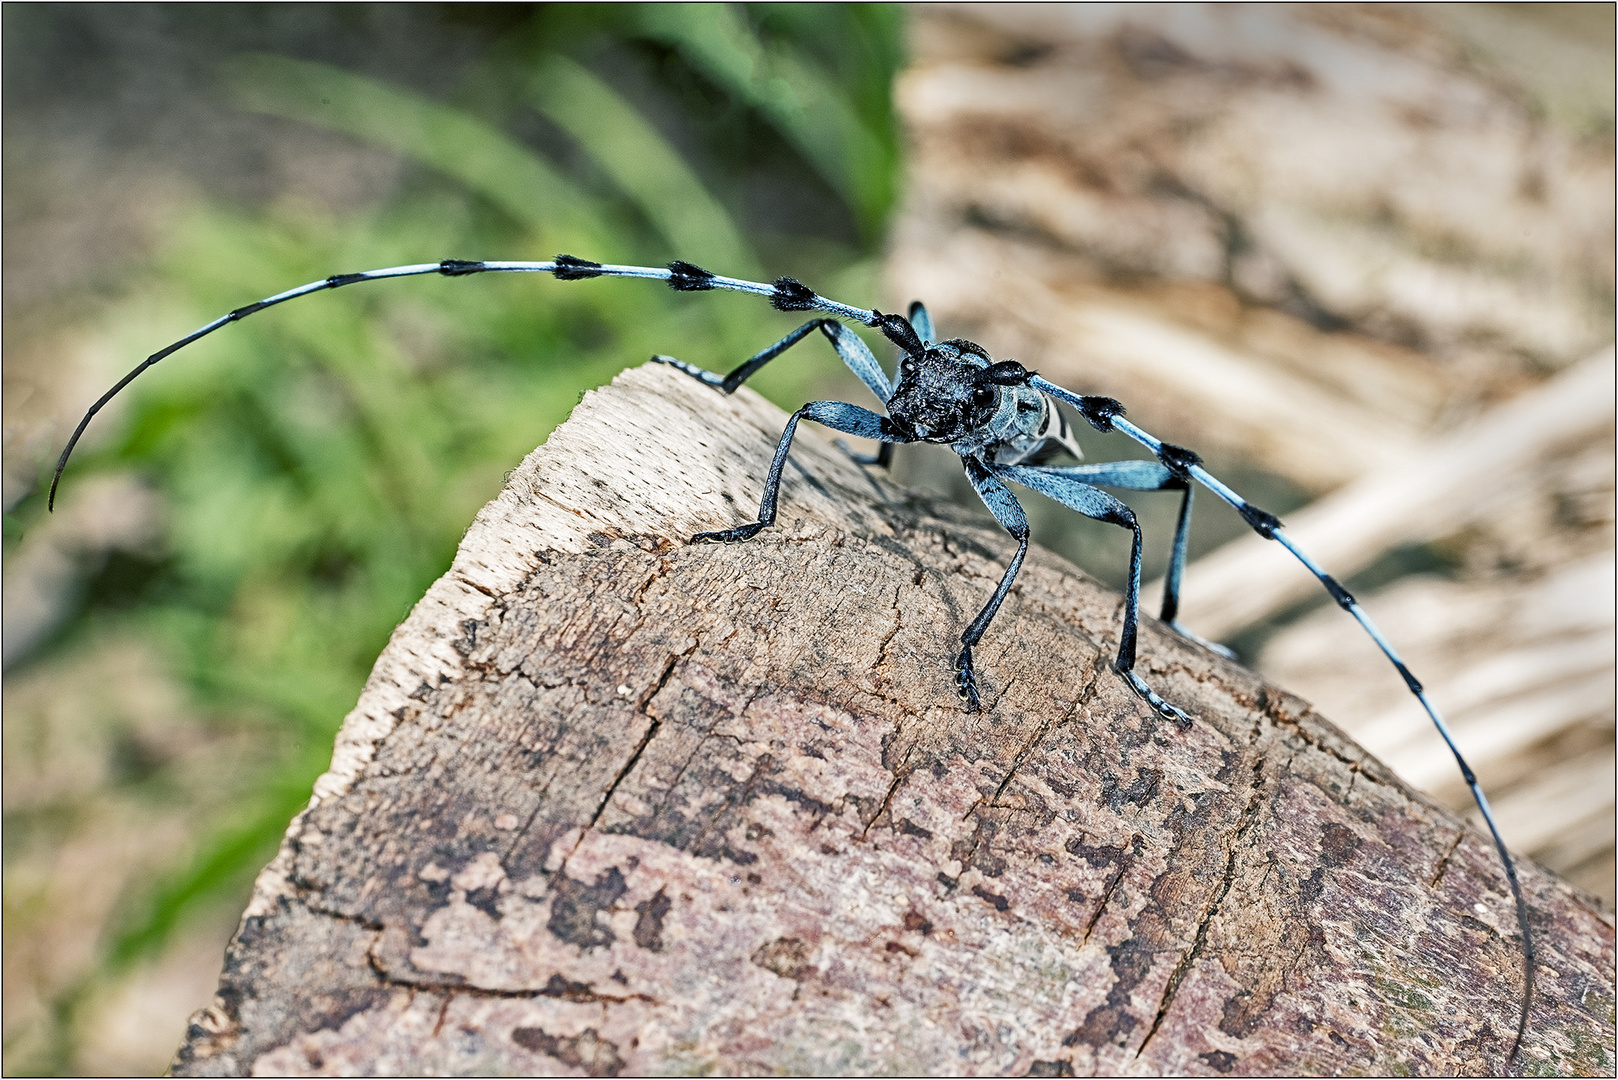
<point>837,415</point>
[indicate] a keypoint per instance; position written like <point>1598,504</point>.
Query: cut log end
<point>611,803</point>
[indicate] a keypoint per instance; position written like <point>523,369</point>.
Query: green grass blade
<point>642,163</point>
<point>792,92</point>
<point>496,167</point>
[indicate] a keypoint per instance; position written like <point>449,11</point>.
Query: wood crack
<point>1249,816</point>
<point>900,774</point>
<point>1085,692</point>
<point>1106,897</point>
<point>1443,864</point>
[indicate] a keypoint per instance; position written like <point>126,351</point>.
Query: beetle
<point>1001,419</point>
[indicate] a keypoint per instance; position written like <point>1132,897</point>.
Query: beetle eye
<point>983,395</point>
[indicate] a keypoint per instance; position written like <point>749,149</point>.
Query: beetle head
<point>944,392</point>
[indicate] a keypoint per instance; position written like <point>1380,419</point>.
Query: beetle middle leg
<point>1092,502</point>
<point>1009,513</point>
<point>1153,476</point>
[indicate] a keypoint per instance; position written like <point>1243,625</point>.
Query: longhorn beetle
<point>1003,421</point>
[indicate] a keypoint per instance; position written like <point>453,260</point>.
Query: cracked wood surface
<point>613,804</point>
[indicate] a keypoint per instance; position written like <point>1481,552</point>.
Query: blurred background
<point>1360,256</point>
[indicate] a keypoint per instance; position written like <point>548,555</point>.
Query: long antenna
<point>787,294</point>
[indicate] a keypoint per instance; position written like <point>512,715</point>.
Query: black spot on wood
<point>486,900</point>
<point>1313,886</point>
<point>739,856</point>
<point>574,906</point>
<point>976,851</point>
<point>1097,855</point>
<point>649,923</point>
<point>1143,789</point>
<point>787,957</point>
<point>1000,903</point>
<point>1140,791</point>
<point>1132,961</point>
<point>791,794</point>
<point>587,1050</point>
<point>468,641</point>
<point>569,990</point>
<point>910,828</point>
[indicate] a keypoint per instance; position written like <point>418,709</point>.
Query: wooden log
<point>611,803</point>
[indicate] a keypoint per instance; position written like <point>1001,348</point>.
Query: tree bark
<point>614,803</point>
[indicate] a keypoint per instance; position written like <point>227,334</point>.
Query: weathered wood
<point>613,803</point>
<point>1451,482</point>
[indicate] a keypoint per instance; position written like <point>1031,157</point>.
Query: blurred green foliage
<point>321,460</point>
